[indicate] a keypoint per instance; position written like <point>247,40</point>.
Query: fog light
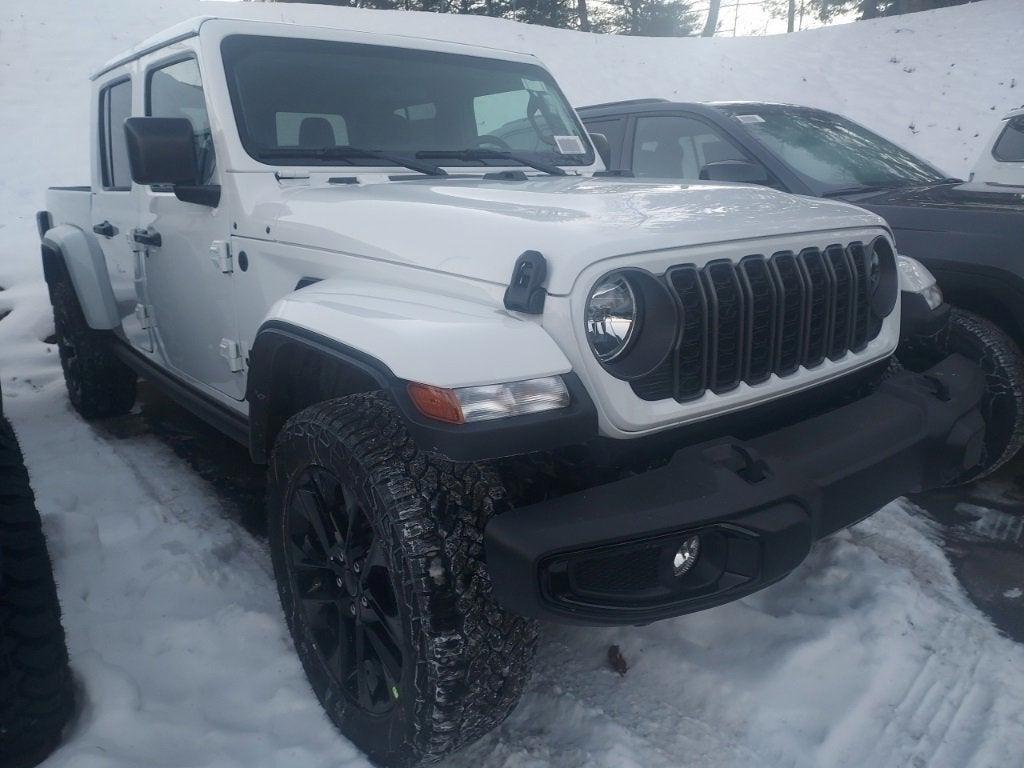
<point>685,556</point>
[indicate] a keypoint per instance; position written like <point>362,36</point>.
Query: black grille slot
<point>818,306</point>
<point>792,288</point>
<point>861,312</point>
<point>761,297</point>
<point>725,310</point>
<point>691,357</point>
<point>745,322</point>
<point>843,300</point>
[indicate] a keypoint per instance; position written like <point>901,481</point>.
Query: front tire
<point>99,384</point>
<point>378,554</point>
<point>983,342</point>
<point>35,680</point>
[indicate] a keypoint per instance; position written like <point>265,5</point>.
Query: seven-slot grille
<point>746,321</point>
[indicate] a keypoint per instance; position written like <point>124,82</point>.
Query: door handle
<point>147,237</point>
<point>105,228</point>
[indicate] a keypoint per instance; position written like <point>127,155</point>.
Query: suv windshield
<point>830,152</point>
<point>295,94</point>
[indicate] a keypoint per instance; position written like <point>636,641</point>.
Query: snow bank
<point>869,655</point>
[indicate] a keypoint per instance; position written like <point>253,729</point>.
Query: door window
<point>673,147</point>
<point>1010,146</point>
<point>115,108</point>
<point>176,90</point>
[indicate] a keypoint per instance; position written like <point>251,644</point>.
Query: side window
<point>176,90</point>
<point>671,147</point>
<point>1010,146</point>
<point>615,131</point>
<point>115,108</point>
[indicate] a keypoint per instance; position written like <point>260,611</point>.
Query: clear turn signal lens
<point>516,398</point>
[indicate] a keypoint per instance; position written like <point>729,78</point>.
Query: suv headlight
<point>631,322</point>
<point>611,317</point>
<point>916,278</point>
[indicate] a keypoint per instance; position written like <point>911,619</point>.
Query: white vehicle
<point>1002,161</point>
<point>492,383</point>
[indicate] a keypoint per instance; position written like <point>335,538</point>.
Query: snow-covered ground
<point>869,655</point>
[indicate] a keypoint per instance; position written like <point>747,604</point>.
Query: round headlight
<point>611,317</point>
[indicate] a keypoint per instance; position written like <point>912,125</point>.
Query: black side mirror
<point>604,149</point>
<point>741,171</point>
<point>161,150</point>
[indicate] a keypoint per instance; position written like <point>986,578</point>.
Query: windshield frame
<point>584,162</point>
<point>817,186</point>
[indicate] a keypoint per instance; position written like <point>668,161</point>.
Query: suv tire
<point>378,553</point>
<point>35,680</point>
<point>983,342</point>
<point>99,384</point>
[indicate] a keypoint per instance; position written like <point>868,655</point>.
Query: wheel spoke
<point>389,656</point>
<point>319,593</point>
<point>308,502</point>
<point>361,671</point>
<point>327,503</point>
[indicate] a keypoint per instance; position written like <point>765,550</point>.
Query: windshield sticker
<point>534,86</point>
<point>750,118</point>
<point>569,145</point>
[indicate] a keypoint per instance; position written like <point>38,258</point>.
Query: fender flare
<point>478,441</point>
<point>82,260</point>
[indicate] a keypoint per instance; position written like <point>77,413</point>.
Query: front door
<point>115,213</point>
<point>187,284</point>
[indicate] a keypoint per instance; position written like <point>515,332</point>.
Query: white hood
<point>477,228</point>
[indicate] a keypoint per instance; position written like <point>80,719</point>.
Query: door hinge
<point>231,351</point>
<point>220,254</point>
<point>144,316</point>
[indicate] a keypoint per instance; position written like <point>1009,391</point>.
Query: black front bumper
<point>603,556</point>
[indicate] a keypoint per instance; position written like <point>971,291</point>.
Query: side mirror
<point>161,150</point>
<point>740,171</point>
<point>604,149</point>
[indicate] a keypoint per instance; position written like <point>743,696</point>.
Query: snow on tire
<point>982,341</point>
<point>378,554</point>
<point>35,680</point>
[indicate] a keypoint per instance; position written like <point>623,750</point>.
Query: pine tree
<point>651,18</point>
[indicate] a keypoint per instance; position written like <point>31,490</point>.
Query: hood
<point>945,197</point>
<point>476,228</point>
<point>948,208</point>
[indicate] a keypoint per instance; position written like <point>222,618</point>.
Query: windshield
<point>291,95</point>
<point>832,153</point>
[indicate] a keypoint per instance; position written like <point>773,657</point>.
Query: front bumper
<point>603,556</point>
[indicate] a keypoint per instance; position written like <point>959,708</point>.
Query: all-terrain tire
<point>99,384</point>
<point>983,342</point>
<point>35,680</point>
<point>463,659</point>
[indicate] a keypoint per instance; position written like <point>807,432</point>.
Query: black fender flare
<point>573,425</point>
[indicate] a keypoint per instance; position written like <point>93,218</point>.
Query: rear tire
<point>986,344</point>
<point>35,680</point>
<point>99,384</point>
<point>397,560</point>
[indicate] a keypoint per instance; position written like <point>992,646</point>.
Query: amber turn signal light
<point>436,402</point>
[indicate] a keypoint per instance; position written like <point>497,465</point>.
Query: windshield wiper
<point>348,154</point>
<point>857,190</point>
<point>470,155</point>
<point>879,187</point>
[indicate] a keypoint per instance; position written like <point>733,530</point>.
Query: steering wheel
<point>494,141</point>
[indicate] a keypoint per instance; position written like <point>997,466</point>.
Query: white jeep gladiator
<point>493,382</point>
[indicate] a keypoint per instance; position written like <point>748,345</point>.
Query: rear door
<point>115,209</point>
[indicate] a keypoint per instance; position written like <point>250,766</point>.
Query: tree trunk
<point>791,16</point>
<point>584,16</point>
<point>712,23</point>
